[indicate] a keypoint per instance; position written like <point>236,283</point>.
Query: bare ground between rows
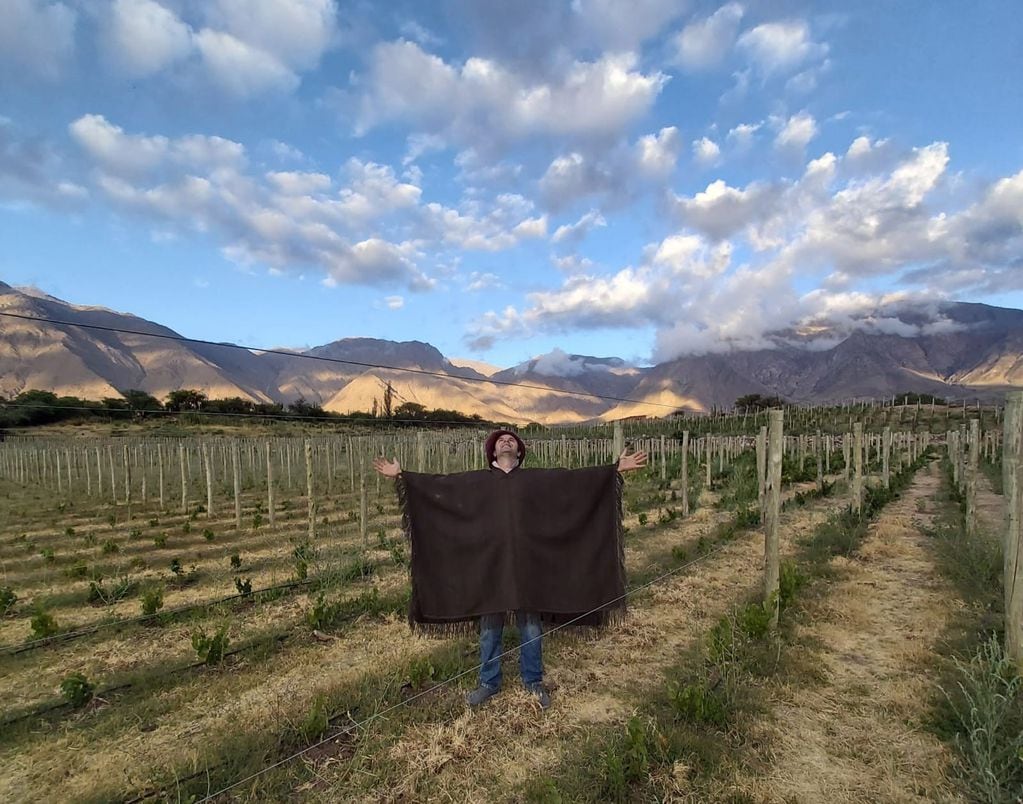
<point>857,737</point>
<point>597,682</point>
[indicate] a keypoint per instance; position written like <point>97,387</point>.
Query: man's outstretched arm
<point>388,468</point>
<point>630,462</point>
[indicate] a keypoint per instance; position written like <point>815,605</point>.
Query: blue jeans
<point>530,651</point>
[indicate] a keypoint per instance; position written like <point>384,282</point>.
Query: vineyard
<point>218,613</point>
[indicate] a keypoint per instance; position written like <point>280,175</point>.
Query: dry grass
<point>857,737</point>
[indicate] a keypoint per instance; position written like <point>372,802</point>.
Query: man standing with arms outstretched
<point>545,544</point>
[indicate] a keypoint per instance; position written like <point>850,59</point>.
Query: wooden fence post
<point>1013,544</point>
<point>685,473</point>
<point>772,570</point>
<point>971,479</point>
<point>270,486</point>
<point>309,488</point>
<point>857,486</point>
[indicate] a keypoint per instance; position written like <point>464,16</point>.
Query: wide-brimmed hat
<point>492,441</point>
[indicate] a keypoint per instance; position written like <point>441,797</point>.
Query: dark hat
<point>492,441</point>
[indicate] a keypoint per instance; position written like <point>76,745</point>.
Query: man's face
<point>506,445</point>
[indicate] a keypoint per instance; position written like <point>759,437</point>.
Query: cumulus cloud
<point>243,47</point>
<point>625,24</point>
<point>705,43</point>
<point>478,281</point>
<point>834,227</point>
<point>574,233</point>
<point>634,296</point>
<point>706,151</point>
<point>293,220</point>
<point>797,131</point>
<point>780,47</point>
<point>37,36</point>
<point>482,102</point>
<point>144,37</point>
<point>613,175</point>
<point>31,171</point>
<point>394,302</point>
<point>742,135</point>
<point>657,154</point>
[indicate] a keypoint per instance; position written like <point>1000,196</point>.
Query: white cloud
<point>135,155</point>
<point>797,131</point>
<point>483,281</point>
<point>625,24</point>
<point>394,302</point>
<point>779,47</point>
<point>706,151</point>
<point>575,232</point>
<point>293,32</point>
<point>144,37</point>
<point>37,36</point>
<point>657,154</point>
<point>481,102</point>
<point>721,211</point>
<point>705,43</point>
<point>240,68</point>
<point>742,135</point>
<point>615,174</point>
<point>299,183</point>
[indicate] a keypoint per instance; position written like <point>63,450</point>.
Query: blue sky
<point>641,179</point>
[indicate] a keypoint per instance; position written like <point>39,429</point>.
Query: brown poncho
<point>547,541</point>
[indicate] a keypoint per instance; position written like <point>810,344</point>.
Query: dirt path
<point>600,681</point>
<point>856,737</point>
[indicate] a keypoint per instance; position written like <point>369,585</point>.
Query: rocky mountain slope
<point>972,350</point>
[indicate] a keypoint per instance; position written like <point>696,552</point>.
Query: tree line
<point>36,407</point>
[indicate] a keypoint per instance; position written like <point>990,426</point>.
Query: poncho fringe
<point>586,502</point>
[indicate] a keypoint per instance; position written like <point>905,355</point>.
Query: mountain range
<point>950,349</point>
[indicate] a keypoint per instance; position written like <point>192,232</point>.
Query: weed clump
<point>210,648</point>
<point>77,690</point>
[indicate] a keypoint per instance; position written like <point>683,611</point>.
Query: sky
<point>641,179</point>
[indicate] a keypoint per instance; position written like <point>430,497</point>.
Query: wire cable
<point>337,360</point>
<point>510,651</point>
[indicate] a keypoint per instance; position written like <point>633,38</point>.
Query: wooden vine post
<point>1012,463</point>
<point>237,484</point>
<point>209,479</point>
<point>309,488</point>
<point>685,473</point>
<point>762,473</point>
<point>772,570</point>
<point>270,486</point>
<point>857,484</point>
<point>971,478</point>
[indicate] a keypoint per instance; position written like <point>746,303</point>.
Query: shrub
<point>210,648</point>
<point>160,540</point>
<point>152,599</point>
<point>7,599</point>
<point>208,534</point>
<point>135,533</point>
<point>236,561</point>
<point>44,625</point>
<point>154,522</point>
<point>257,520</point>
<point>98,593</point>
<point>69,531</point>
<point>47,554</point>
<point>244,586</point>
<point>642,518</point>
<point>110,546</point>
<point>186,528</point>
<point>697,702</point>
<point>77,690</point>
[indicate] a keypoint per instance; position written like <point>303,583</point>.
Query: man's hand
<point>629,463</point>
<point>388,468</point>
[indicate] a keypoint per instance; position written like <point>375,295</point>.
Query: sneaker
<point>481,694</point>
<point>540,691</point>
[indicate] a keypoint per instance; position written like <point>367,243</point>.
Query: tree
<point>411,410</point>
<point>388,401</point>
<point>758,402</point>
<point>186,399</point>
<point>140,400</point>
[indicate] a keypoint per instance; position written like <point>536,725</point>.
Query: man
<point>527,541</point>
